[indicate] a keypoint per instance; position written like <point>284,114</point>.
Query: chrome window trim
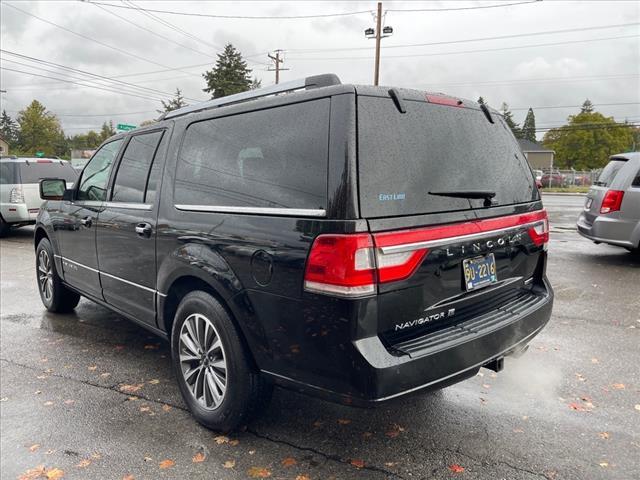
<point>130,206</point>
<point>109,275</point>
<point>287,212</point>
<point>408,247</point>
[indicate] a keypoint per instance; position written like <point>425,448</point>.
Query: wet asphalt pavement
<point>93,396</point>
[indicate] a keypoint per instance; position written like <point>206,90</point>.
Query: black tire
<point>4,228</point>
<point>54,295</point>
<point>246,392</point>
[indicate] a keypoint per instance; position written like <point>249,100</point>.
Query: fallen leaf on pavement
<point>390,464</point>
<point>54,474</point>
<point>84,463</point>
<point>166,408</point>
<point>34,447</point>
<point>595,360</point>
<point>302,477</point>
<point>344,421</point>
<point>155,381</point>
<point>92,368</point>
<point>618,386</point>
<point>167,464</point>
<point>69,402</point>
<point>604,435</point>
<point>220,439</point>
<point>152,347</point>
<point>394,431</point>
<point>48,403</point>
<point>229,464</point>
<point>105,374</point>
<point>637,407</point>
<point>128,477</point>
<point>198,458</point>
<point>357,463</point>
<point>455,468</point>
<point>604,464</point>
<point>131,388</point>
<point>289,462</point>
<point>317,424</point>
<point>258,472</point>
<point>234,442</point>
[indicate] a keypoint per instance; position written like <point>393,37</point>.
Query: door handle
<point>86,222</point>
<point>143,230</point>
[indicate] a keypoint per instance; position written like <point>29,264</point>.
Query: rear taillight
<point>351,265</point>
<point>16,196</point>
<point>612,201</point>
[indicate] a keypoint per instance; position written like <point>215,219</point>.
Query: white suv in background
<point>19,188</point>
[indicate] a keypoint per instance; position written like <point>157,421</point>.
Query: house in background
<point>538,157</point>
<point>4,147</point>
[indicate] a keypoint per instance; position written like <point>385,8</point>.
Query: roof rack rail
<point>316,81</point>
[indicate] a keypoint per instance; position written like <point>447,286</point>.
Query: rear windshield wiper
<point>486,194</point>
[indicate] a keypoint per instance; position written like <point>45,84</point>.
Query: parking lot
<point>92,395</point>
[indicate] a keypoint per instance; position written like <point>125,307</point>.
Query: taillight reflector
<point>612,201</point>
<point>351,265</point>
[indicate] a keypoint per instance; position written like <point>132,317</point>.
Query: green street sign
<point>125,127</point>
<point>39,154</point>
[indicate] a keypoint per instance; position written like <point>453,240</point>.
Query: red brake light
<point>352,265</point>
<point>443,100</point>
<point>612,201</point>
<point>341,265</point>
<point>44,161</point>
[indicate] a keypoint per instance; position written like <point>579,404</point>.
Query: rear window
<point>435,148</point>
<point>269,158</point>
<point>609,172</point>
<point>8,173</point>
<point>33,172</point>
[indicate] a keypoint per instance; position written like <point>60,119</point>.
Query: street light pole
<point>376,74</point>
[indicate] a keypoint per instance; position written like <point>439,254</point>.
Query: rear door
<point>445,254</point>
<point>126,231</point>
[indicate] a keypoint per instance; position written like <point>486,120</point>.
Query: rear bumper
<point>605,229</point>
<point>382,375</point>
<point>18,213</point>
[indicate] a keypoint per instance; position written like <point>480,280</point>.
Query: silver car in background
<point>20,188</point>
<point>612,208</point>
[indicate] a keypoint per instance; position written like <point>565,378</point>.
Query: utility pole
<point>378,33</point>
<point>277,60</point>
<point>376,74</point>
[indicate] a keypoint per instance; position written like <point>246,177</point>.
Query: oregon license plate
<point>479,271</point>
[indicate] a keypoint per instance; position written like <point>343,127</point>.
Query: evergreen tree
<point>229,75</point>
<point>175,103</point>
<point>39,130</point>
<point>9,129</point>
<point>508,118</point>
<point>587,107</point>
<point>107,131</point>
<point>529,126</point>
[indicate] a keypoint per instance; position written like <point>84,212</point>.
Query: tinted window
<point>154,173</point>
<point>609,172</point>
<point>33,172</point>
<point>8,173</point>
<point>435,148</point>
<point>636,181</point>
<point>269,158</point>
<point>134,168</point>
<point>93,183</point>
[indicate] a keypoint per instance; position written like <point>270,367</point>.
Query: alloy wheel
<point>202,361</point>
<point>45,275</point>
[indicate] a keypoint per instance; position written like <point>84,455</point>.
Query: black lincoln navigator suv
<point>352,242</point>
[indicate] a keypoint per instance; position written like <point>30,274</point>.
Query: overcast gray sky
<point>541,70</point>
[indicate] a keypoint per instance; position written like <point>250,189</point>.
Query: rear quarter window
<point>609,172</point>
<point>9,173</point>
<point>273,158</point>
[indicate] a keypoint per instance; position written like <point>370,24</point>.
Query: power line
<point>479,7</point>
<point>468,40</point>
<point>84,72</point>
<point>149,30</point>
<point>574,106</point>
<point>125,52</point>
<point>435,54</point>
<point>76,83</point>
<point>240,17</point>
<point>519,81</point>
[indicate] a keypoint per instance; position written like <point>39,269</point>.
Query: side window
<point>93,183</point>
<point>154,173</point>
<point>269,158</point>
<point>636,181</point>
<point>134,168</point>
<point>8,173</point>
